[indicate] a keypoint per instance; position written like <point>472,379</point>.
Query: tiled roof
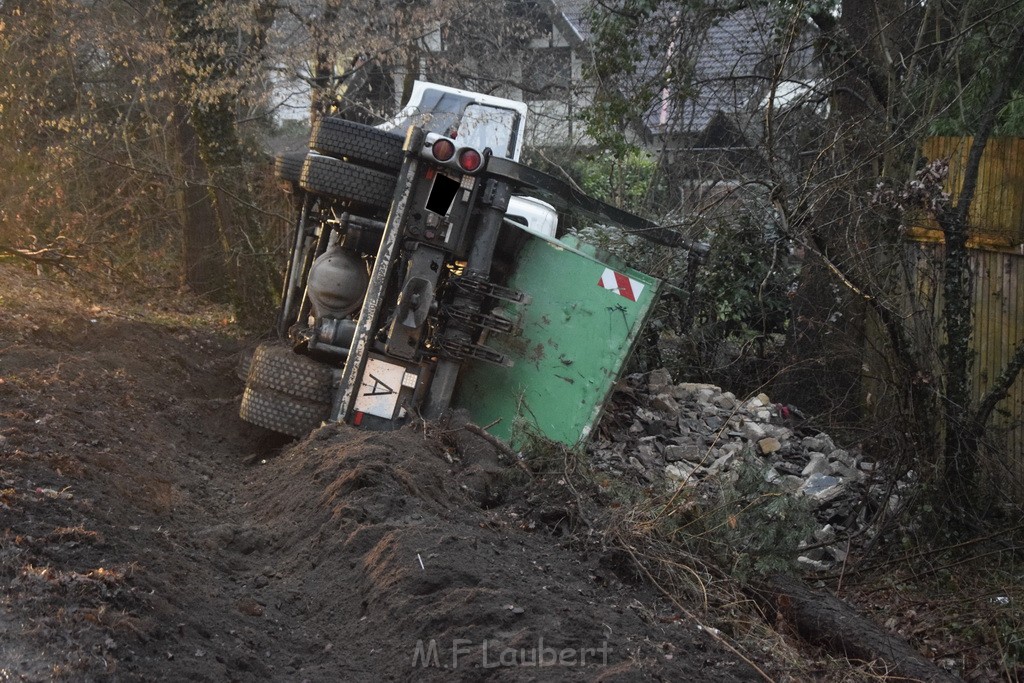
<point>728,59</point>
<point>732,63</point>
<point>576,11</point>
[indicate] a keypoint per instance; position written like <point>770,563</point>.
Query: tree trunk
<point>248,260</point>
<point>325,57</point>
<point>203,253</point>
<point>209,70</point>
<point>824,620</point>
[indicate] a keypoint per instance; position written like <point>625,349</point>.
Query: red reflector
<point>357,419</point>
<point>470,159</point>
<point>443,149</point>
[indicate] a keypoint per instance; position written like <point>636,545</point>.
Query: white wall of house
<point>555,122</point>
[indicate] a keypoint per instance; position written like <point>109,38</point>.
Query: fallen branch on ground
<point>824,620</point>
<point>44,256</point>
<point>497,443</point>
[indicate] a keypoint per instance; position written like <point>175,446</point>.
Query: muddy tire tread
<point>280,413</point>
<point>362,188</point>
<point>278,368</point>
<point>357,142</point>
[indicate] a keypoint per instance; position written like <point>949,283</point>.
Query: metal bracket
<point>485,321</point>
<point>456,350</point>
<point>467,284</point>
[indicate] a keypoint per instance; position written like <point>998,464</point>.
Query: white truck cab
<point>483,122</point>
<point>476,120</point>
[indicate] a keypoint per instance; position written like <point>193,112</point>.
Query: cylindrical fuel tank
<point>337,283</point>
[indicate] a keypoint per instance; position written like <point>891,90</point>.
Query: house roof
<point>575,12</point>
<point>733,63</point>
<point>726,62</point>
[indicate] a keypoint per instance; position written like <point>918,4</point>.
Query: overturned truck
<point>427,273</point>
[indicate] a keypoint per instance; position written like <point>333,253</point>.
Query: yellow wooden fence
<point>997,268</point>
<point>997,212</point>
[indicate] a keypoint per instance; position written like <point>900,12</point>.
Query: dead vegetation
<point>717,562</point>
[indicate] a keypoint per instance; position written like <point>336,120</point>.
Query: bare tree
<point>889,74</point>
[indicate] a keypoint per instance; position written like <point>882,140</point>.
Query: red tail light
<point>469,159</point>
<point>443,149</point>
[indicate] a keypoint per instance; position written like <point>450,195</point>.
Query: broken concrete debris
<point>696,435</point>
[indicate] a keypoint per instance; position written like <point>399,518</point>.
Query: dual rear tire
<point>286,392</point>
<point>357,143</point>
<point>356,167</point>
<point>361,189</point>
<point>348,162</point>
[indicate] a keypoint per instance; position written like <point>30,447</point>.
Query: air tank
<point>337,283</point>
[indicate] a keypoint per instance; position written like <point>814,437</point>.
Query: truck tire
<point>280,413</point>
<point>278,368</point>
<point>288,166</point>
<point>362,188</point>
<point>358,143</point>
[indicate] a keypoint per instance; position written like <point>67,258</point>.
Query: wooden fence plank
<point>997,213</point>
<point>998,326</point>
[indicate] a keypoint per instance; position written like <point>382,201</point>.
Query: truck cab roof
<point>480,121</point>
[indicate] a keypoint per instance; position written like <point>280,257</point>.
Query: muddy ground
<point>149,534</point>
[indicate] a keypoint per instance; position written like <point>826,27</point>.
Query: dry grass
<point>951,608</point>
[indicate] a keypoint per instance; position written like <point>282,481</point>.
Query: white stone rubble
<point>691,434</point>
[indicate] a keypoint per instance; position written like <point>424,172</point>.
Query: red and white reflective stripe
<point>620,284</point>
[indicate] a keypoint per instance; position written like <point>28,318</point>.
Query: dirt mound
<point>395,543</point>
<point>149,534</point>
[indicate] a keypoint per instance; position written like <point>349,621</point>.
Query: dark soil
<point>149,534</point>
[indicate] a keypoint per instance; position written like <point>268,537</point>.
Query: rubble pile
<point>696,435</point>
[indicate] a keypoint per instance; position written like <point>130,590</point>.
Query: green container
<point>574,337</point>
